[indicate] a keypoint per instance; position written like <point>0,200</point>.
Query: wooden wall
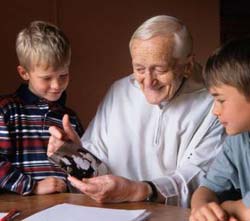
<point>99,32</point>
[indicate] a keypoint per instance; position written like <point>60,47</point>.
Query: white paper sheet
<point>67,212</point>
<point>2,215</point>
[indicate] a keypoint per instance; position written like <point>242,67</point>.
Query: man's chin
<point>155,97</point>
<point>154,101</point>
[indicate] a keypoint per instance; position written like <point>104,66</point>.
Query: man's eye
<point>140,70</point>
<point>160,71</point>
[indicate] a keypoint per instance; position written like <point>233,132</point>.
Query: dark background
<point>100,31</point>
<point>234,19</point>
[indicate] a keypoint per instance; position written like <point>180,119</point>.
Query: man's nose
<point>150,79</point>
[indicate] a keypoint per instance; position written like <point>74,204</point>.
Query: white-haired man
<point>154,129</point>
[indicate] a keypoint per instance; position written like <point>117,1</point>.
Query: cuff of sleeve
<point>167,188</point>
<point>29,187</point>
<point>177,187</point>
<point>246,200</point>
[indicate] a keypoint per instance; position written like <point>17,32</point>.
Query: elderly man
<point>154,129</point>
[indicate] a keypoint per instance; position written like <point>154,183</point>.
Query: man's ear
<point>23,73</point>
<point>189,67</point>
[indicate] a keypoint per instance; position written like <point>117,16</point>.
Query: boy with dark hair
<point>44,56</point>
<point>227,75</point>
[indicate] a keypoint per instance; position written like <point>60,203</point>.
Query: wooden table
<point>32,204</point>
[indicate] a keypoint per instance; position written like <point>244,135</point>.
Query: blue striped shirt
<point>24,122</point>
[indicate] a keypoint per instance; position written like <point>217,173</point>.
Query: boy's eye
<point>220,101</point>
<point>46,78</point>
<point>64,76</point>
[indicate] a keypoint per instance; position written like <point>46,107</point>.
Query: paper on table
<point>2,215</point>
<point>66,212</point>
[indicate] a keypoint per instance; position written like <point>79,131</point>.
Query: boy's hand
<point>236,209</point>
<point>210,211</point>
<point>50,185</point>
<point>59,136</point>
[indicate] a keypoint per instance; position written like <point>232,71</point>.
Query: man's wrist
<point>153,193</point>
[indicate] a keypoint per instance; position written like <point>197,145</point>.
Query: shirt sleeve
<point>179,185</point>
<point>246,199</point>
<point>221,173</point>
<point>11,179</point>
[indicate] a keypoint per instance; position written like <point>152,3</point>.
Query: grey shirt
<point>231,168</point>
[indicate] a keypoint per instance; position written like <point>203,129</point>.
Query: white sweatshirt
<point>171,144</point>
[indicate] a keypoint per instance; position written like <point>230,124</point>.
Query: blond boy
<point>44,55</point>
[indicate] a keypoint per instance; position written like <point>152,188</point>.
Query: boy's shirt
<point>231,168</point>
<point>24,122</point>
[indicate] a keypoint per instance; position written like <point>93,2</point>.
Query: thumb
<point>69,130</point>
<point>232,218</point>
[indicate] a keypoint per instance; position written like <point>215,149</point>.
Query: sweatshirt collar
<point>30,98</point>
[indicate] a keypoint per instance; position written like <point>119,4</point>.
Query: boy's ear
<point>23,73</point>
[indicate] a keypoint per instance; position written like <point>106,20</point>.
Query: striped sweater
<point>24,122</point>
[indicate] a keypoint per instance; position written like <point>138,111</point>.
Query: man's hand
<point>207,212</point>
<point>110,188</point>
<point>50,185</point>
<point>59,136</point>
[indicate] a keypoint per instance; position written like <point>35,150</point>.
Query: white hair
<point>168,26</point>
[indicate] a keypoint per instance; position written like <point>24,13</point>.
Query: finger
<point>62,187</point>
<point>53,145</point>
<point>192,218</point>
<point>69,130</point>
<point>82,186</point>
<point>207,213</point>
<point>88,186</point>
<point>59,185</point>
<point>56,132</point>
<point>50,150</point>
<point>77,183</point>
<point>218,211</point>
<point>201,217</point>
<point>232,218</point>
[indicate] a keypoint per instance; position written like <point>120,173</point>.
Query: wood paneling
<point>99,32</point>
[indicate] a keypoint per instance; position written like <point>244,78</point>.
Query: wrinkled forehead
<point>157,48</point>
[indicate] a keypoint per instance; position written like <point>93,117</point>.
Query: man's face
<point>47,83</point>
<point>157,72</point>
<point>232,108</point>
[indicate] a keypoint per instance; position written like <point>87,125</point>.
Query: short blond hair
<point>42,44</point>
<point>168,26</point>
